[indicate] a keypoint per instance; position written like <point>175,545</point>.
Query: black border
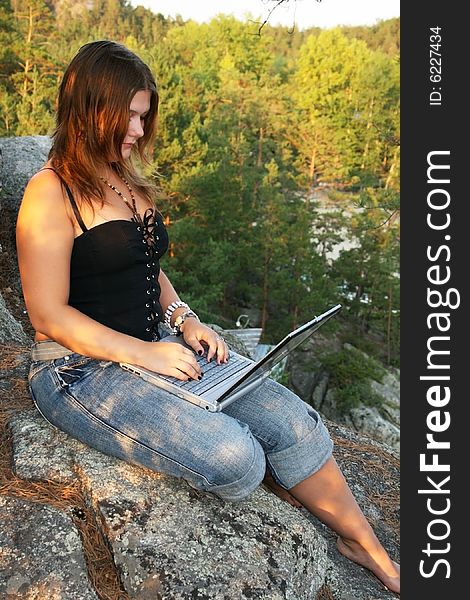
<point>426,128</point>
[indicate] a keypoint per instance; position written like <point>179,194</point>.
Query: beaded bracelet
<point>171,309</point>
<point>180,319</point>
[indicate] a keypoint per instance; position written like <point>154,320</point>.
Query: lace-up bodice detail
<point>114,271</point>
<point>114,274</point>
<point>149,227</point>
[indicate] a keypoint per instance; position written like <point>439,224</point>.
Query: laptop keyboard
<point>212,373</point>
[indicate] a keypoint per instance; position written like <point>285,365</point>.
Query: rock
<point>20,158</point>
<point>329,408</point>
<point>234,342</point>
<point>372,471</point>
<point>389,391</point>
<point>167,538</point>
<point>320,391</point>
<point>368,420</point>
<point>390,387</point>
<point>258,548</point>
<point>309,379</point>
<point>10,329</point>
<point>303,381</point>
<point>228,550</point>
<point>42,554</point>
<point>380,422</point>
<point>305,368</point>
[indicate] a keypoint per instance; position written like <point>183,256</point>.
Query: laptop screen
<point>291,341</point>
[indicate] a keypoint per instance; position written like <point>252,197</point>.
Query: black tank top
<point>114,272</point>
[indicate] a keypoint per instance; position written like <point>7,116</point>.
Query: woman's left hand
<point>194,332</point>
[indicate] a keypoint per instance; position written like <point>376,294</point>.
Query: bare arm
<point>193,331</point>
<point>168,294</point>
<point>45,236</point>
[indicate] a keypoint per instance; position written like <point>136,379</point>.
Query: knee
<point>240,468</point>
<point>297,425</point>
<point>302,451</point>
<point>288,422</point>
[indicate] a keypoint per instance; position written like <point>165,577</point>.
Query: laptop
<point>223,384</point>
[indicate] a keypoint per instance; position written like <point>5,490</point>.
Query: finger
<point>178,374</point>
<point>212,350</point>
<point>226,353</point>
<point>189,355</point>
<point>181,372</point>
<point>222,351</point>
<point>191,368</point>
<point>195,345</point>
<point>219,349</point>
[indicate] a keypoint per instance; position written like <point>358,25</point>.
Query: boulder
<point>10,329</point>
<point>20,158</point>
<point>170,541</point>
<point>165,540</point>
<point>304,366</point>
<point>42,555</point>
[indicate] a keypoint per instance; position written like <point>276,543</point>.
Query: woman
<point>89,244</point>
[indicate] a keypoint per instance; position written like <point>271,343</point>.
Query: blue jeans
<point>225,453</point>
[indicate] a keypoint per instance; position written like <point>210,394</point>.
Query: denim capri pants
<point>226,453</point>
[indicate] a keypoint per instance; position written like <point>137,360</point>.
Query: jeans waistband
<point>48,350</point>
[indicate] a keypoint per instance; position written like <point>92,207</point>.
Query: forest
<point>277,156</point>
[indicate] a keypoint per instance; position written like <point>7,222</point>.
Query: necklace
<point>132,207</point>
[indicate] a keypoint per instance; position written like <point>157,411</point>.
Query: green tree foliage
<point>8,66</point>
<point>384,36</point>
<point>33,78</point>
<point>250,129</point>
<point>325,87</point>
<point>351,373</point>
<point>348,100</point>
<point>369,275</point>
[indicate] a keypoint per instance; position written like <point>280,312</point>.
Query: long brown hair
<point>93,119</point>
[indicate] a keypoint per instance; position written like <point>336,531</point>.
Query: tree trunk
<point>259,161</point>
<point>389,326</point>
<point>365,153</point>
<point>264,310</point>
<point>312,160</point>
<point>392,167</point>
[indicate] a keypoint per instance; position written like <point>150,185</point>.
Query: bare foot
<point>269,482</point>
<point>385,569</point>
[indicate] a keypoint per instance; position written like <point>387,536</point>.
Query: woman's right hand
<point>171,359</point>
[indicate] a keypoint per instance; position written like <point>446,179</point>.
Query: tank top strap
<point>73,204</point>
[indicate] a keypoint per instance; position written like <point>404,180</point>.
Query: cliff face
<point>76,524</point>
<point>377,416</point>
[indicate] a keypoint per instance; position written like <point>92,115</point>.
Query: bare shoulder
<point>43,209</point>
<point>44,201</point>
<point>44,185</point>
